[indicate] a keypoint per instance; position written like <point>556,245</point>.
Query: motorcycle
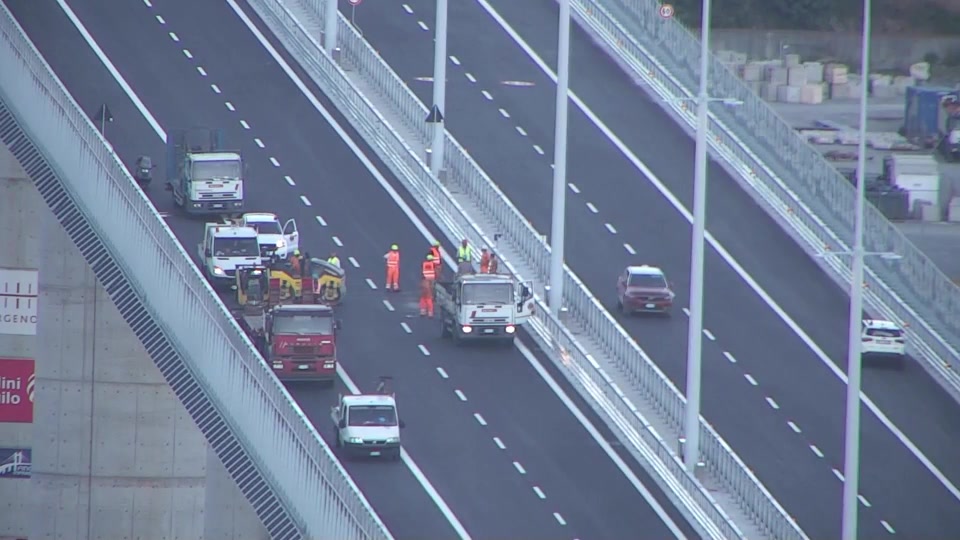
<point>143,171</point>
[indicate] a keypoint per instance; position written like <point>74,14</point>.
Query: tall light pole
<point>330,26</point>
<point>439,90</point>
<point>691,425</point>
<point>851,434</point>
<point>557,225</point>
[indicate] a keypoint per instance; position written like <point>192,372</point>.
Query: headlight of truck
<point>391,440</point>
<point>281,242</point>
<point>355,440</point>
<point>217,271</point>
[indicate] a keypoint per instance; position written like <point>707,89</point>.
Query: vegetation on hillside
<point>929,17</point>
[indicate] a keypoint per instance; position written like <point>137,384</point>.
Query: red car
<point>644,289</point>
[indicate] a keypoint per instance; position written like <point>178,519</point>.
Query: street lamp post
<point>691,451</point>
<point>851,446</point>
<point>330,26</point>
<point>439,90</point>
<point>555,298</point>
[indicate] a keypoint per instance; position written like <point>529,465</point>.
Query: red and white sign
<point>666,11</point>
<point>18,301</point>
<point>17,380</point>
<point>355,2</point>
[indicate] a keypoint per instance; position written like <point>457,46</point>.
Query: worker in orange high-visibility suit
<point>437,257</point>
<point>426,298</point>
<point>484,261</point>
<point>393,268</point>
<point>429,269</point>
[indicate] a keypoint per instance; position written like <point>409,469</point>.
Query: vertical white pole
<point>691,451</point>
<point>439,87</point>
<point>851,435</point>
<point>330,21</point>
<point>557,225</point>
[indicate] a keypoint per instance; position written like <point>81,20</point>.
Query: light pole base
<point>698,471</point>
<point>442,173</point>
<point>335,55</point>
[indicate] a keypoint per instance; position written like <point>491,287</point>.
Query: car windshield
<point>216,169</point>
<point>303,323</point>
<point>884,332</point>
<point>235,247</point>
<point>266,227</point>
<point>487,293</point>
<point>372,415</point>
<point>649,281</point>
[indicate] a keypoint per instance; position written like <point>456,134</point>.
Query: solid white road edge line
<point>602,442</point>
<point>407,460</point>
<point>734,264</point>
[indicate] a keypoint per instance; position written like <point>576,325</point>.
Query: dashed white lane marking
<point>201,71</point>
<point>336,240</point>
<point>521,131</point>
<point>174,36</point>
<point>353,262</point>
<point>423,350</point>
<point>887,526</point>
<point>460,395</point>
<point>216,90</point>
<point>794,427</point>
<point>408,9</point>
<point>406,328</point>
<point>321,221</point>
<point>539,492</point>
<point>305,200</point>
<point>289,181</point>
<point>537,149</point>
<point>371,284</point>
<point>442,373</point>
<point>573,187</point>
<point>187,53</point>
<point>750,379</point>
<point>470,77</point>
<point>259,143</point>
<point>244,124</point>
<point>559,518</point>
<point>815,450</point>
<point>487,95</point>
<point>519,467</point>
<point>423,25</point>
<point>838,474</point>
<point>629,249</point>
<point>499,443</point>
<point>230,106</point>
<point>504,113</point>
<point>864,501</point>
<point>592,207</point>
<point>773,404</point>
<point>388,305</point>
<point>610,228</point>
<point>274,161</point>
<point>147,3</point>
<point>160,20</point>
<point>455,60</point>
<point>709,335</point>
<point>686,311</point>
<point>479,419</point>
<point>729,356</point>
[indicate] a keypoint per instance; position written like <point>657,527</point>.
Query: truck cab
<point>483,307</point>
<point>205,179</point>
<point>367,425</point>
<point>224,248</point>
<point>302,342</point>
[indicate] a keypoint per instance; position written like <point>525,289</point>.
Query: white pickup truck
<point>367,425</point>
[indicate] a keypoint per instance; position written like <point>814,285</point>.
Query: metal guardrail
<point>584,372</point>
<point>288,473</point>
<point>793,180</point>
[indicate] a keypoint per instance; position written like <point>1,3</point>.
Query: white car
<point>273,238</point>
<point>882,339</point>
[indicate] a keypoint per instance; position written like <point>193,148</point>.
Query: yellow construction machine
<point>318,282</point>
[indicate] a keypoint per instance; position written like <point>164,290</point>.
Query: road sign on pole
<point>666,11</point>
<point>355,2</point>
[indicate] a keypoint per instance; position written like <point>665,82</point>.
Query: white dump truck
<point>367,425</point>
<point>483,306</point>
<point>204,178</point>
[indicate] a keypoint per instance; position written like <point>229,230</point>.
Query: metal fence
<point>789,176</point>
<point>597,386</point>
<point>287,451</point>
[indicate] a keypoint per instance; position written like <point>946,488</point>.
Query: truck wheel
<point>395,455</point>
<point>457,338</point>
<point>444,329</point>
<point>336,438</point>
